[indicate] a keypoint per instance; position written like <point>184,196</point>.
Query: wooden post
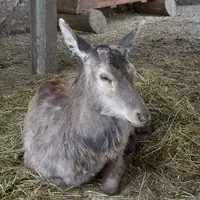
<point>43,27</point>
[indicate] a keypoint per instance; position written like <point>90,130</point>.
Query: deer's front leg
<point>112,175</point>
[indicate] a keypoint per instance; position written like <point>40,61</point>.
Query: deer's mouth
<point>137,125</point>
<point>139,120</point>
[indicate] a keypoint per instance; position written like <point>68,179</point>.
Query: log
<point>68,6</point>
<point>110,11</point>
<point>89,21</point>
<point>43,36</point>
<point>160,7</point>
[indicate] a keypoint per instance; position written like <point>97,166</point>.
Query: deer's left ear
<point>129,40</point>
<point>75,43</point>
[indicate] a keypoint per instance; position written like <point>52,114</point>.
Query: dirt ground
<point>167,57</point>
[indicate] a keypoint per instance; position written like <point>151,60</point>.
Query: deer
<point>76,128</point>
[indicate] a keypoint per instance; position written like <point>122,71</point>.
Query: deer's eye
<point>105,78</point>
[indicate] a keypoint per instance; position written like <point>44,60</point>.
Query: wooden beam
<point>43,27</point>
<point>79,6</point>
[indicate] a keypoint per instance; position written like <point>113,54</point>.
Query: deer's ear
<point>74,42</point>
<point>129,40</point>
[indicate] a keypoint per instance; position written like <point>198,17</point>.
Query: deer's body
<point>75,128</point>
<point>73,142</point>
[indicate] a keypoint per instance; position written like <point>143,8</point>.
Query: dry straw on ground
<point>168,167</point>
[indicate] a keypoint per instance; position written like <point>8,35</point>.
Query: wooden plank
<point>79,6</point>
<point>43,29</point>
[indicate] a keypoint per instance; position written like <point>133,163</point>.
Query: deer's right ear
<point>129,40</point>
<point>74,42</point>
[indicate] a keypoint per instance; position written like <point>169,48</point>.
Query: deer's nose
<point>144,118</point>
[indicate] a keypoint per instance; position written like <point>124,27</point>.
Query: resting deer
<point>74,130</point>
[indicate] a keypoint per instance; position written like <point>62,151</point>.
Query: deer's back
<point>55,90</point>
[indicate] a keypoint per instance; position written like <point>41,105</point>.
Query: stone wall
<point>13,16</point>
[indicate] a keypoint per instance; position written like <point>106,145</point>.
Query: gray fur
<point>72,131</point>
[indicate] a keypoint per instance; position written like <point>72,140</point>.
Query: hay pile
<point>168,166</point>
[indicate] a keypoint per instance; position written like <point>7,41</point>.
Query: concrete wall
<point>13,16</point>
